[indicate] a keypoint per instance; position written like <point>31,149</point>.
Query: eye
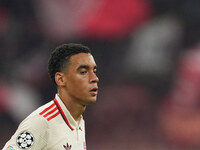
<point>95,71</point>
<point>83,72</point>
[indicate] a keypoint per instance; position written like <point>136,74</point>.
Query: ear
<point>60,79</point>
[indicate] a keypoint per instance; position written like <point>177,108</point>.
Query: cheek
<point>77,86</point>
<point>73,86</point>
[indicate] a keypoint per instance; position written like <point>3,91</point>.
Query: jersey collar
<point>67,117</point>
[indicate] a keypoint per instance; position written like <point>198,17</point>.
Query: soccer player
<point>59,125</point>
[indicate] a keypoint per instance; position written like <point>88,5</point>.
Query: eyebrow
<point>85,67</point>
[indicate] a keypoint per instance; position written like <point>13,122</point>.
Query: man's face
<point>81,78</point>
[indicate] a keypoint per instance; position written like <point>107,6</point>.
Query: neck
<point>75,108</point>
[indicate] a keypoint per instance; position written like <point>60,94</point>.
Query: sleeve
<point>31,135</point>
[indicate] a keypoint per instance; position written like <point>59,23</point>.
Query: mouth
<point>94,91</point>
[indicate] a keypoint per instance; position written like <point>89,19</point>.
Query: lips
<point>94,91</point>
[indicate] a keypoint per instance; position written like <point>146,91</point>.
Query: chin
<point>92,100</point>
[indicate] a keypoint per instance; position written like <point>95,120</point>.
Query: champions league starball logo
<point>25,140</point>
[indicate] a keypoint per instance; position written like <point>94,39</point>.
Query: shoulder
<point>36,120</point>
<point>35,127</point>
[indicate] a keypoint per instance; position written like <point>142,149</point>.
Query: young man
<point>59,125</point>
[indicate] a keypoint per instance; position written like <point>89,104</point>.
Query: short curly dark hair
<point>60,57</point>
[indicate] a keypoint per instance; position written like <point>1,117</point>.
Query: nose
<point>94,78</point>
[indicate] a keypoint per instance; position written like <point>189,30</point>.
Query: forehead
<point>82,59</point>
